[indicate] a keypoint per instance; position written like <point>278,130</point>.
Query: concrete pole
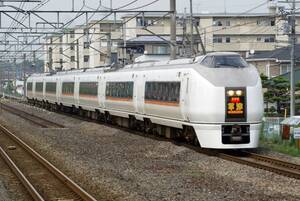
<point>77,53</point>
<point>109,44</point>
<point>192,27</point>
<point>173,29</point>
<point>293,42</point>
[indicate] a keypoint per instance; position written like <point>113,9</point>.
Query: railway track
<point>42,180</point>
<point>44,123</point>
<point>247,158</point>
<point>263,162</point>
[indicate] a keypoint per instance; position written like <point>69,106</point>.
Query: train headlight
<point>239,92</point>
<point>230,93</point>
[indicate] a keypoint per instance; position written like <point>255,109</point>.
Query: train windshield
<point>224,61</point>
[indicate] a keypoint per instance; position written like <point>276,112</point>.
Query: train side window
<point>39,87</point>
<point>162,91</point>
<point>51,87</point>
<point>29,86</point>
<point>68,88</point>
<point>119,90</point>
<point>88,88</point>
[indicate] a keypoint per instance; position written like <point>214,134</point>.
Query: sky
<point>199,5</point>
<point>204,6</point>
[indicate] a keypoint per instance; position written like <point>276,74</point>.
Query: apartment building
<point>85,46</point>
<point>219,32</point>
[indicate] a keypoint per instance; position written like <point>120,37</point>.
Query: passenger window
<point>120,90</point>
<point>168,92</point>
<point>68,88</point>
<point>39,87</point>
<point>88,88</point>
<point>51,87</point>
<point>29,86</point>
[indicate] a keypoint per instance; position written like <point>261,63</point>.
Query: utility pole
<point>184,35</point>
<point>192,27</point>
<point>77,53</point>
<point>24,66</point>
<point>109,44</point>
<point>293,42</point>
<point>173,29</point>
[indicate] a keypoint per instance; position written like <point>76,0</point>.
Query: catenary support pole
<point>293,42</point>
<point>173,29</point>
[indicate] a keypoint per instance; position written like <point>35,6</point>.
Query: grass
<point>275,143</point>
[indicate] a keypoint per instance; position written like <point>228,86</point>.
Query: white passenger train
<point>214,100</point>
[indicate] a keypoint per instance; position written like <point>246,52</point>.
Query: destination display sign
<point>235,104</point>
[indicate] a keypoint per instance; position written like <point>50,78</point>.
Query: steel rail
<point>274,161</point>
<point>44,123</point>
<point>32,191</point>
<point>265,163</point>
<point>51,168</point>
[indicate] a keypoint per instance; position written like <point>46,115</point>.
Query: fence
<point>271,126</point>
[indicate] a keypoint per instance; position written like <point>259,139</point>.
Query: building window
<point>86,45</point>
<point>102,58</point>
<point>285,68</point>
<point>221,23</point>
<point>265,22</point>
<point>162,93</point>
<point>61,51</point>
<point>86,58</point>
<point>217,39</point>
<point>272,23</point>
<point>88,89</point>
<point>72,34</point>
<point>72,58</point>
<point>39,87</point>
<point>29,86</point>
<point>68,88</point>
<point>85,31</point>
<point>160,49</point>
<point>51,87</point>
<point>61,39</point>
<point>227,39</point>
<point>270,39</point>
<point>72,46</point>
<point>258,39</point>
<point>119,91</point>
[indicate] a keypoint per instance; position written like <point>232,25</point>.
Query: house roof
<point>141,40</point>
<point>280,55</point>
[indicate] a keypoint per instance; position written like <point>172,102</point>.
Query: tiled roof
<point>281,54</point>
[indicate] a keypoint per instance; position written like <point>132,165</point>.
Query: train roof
<point>142,65</point>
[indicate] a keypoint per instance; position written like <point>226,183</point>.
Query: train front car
<point>228,103</point>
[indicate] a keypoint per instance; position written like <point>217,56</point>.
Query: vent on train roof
<point>161,63</point>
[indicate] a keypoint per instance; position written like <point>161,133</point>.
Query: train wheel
<point>190,135</point>
<point>148,126</point>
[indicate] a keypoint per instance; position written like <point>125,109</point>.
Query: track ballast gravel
<point>113,164</point>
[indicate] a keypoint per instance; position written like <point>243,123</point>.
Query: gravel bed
<point>10,187</point>
<point>116,165</point>
<point>278,155</point>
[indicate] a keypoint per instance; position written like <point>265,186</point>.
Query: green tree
<point>276,91</point>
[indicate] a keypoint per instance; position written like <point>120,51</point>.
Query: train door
<point>140,91</point>
<point>76,90</point>
<point>135,91</point>
<point>99,91</point>
<point>185,95</point>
